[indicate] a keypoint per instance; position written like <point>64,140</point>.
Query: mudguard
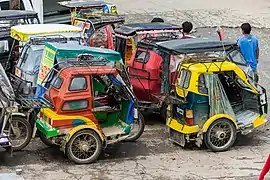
<point>91,126</point>
<point>216,117</point>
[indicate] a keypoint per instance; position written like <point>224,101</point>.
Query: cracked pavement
<point>153,156</point>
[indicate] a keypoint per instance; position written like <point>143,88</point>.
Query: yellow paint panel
<point>215,117</point>
<point>198,68</point>
<point>259,121</point>
<point>56,117</point>
<point>81,127</point>
<point>185,129</point>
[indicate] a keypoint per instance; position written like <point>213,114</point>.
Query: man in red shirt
<point>187,28</point>
<point>265,169</point>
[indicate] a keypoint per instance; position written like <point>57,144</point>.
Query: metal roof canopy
<point>68,50</point>
<point>195,45</point>
<point>83,4</point>
<point>99,22</point>
<point>132,29</point>
<point>17,14</point>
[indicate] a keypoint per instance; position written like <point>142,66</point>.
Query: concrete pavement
<point>206,13</point>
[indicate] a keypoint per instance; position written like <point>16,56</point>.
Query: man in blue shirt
<point>249,47</point>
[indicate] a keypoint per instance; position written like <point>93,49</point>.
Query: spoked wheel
<point>221,135</point>
<point>137,128</point>
<point>20,132</point>
<point>84,147</point>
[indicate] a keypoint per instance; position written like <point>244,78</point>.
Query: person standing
<point>157,20</point>
<point>186,29</point>
<point>249,47</point>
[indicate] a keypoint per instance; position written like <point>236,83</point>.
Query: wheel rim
<point>84,146</point>
<point>221,134</point>
<point>18,133</point>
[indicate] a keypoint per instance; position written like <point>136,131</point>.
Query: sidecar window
<point>75,105</point>
<point>142,56</point>
<point>77,83</point>
<point>57,82</point>
<point>184,78</point>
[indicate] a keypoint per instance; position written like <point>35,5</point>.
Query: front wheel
<point>220,136</point>
<point>84,147</point>
<point>46,141</point>
<point>137,128</point>
<point>20,132</point>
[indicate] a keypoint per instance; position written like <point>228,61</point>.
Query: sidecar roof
<point>132,29</point>
<point>195,45</point>
<point>83,3</point>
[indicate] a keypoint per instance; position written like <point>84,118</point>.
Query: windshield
<point>236,57</point>
<point>31,58</point>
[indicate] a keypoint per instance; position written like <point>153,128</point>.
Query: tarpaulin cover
<point>218,100</point>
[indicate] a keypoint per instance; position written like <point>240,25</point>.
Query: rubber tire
<point>94,157</point>
<point>140,131</point>
<point>29,135</point>
<point>45,140</point>
<point>163,113</point>
<point>229,145</point>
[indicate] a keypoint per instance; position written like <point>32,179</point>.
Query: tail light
<point>50,121</point>
<point>189,117</point>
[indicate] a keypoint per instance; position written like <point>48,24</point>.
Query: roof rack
<point>49,38</point>
<point>106,19</point>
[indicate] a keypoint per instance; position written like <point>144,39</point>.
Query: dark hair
<point>157,20</point>
<point>246,28</point>
<point>187,27</point>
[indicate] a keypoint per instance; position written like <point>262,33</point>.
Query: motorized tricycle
<point>128,35</point>
<point>33,38</point>
<point>15,130</point>
<point>22,34</point>
<point>85,9</point>
<point>214,97</point>
<point>97,20</point>
<point>9,18</point>
<point>152,72</point>
<point>90,107</point>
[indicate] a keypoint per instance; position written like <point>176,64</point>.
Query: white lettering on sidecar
<point>263,99</point>
<point>180,111</point>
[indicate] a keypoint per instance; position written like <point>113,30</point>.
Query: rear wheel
<point>220,136</point>
<point>46,141</point>
<point>84,147</point>
<point>137,128</point>
<point>20,132</point>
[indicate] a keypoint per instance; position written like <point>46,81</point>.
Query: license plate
<point>4,140</point>
<point>177,137</point>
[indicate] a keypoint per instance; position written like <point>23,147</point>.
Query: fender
<point>91,126</point>
<point>216,117</point>
<point>18,114</point>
